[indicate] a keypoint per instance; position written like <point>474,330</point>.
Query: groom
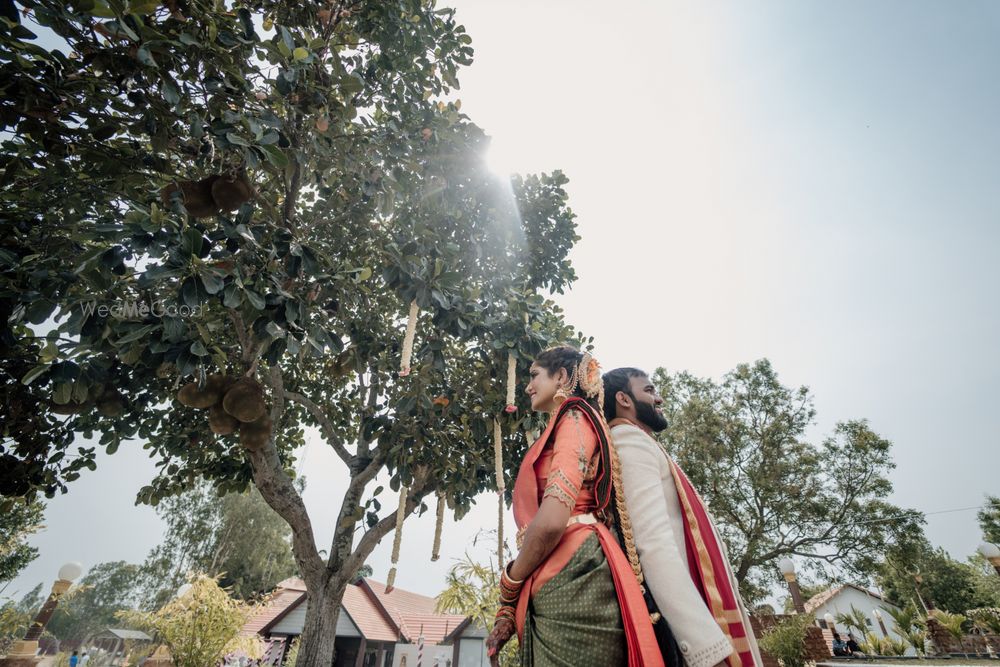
<point>683,560</point>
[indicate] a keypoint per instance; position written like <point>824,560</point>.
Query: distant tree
<point>201,626</point>
<point>15,617</point>
<point>774,493</point>
<point>914,570</point>
<point>253,549</point>
<point>192,521</point>
<point>92,605</point>
<point>17,522</point>
<point>237,538</point>
<point>985,581</point>
<point>989,519</point>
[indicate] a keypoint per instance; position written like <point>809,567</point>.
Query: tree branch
<point>343,534</point>
<point>323,422</point>
<point>374,535</point>
<point>278,490</point>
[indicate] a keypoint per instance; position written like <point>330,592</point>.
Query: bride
<point>572,594</point>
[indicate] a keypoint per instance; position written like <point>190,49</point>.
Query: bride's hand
<point>503,630</point>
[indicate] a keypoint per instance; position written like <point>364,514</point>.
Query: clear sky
<point>812,182</point>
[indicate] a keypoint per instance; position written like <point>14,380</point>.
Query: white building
<point>840,600</point>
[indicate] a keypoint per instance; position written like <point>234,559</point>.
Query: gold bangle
<point>505,574</point>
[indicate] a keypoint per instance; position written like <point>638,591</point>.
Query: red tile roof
<point>435,627</point>
<point>411,611</point>
<point>366,615</point>
<point>377,614</point>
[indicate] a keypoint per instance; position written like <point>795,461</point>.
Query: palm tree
<point>910,626</point>
<point>893,646</point>
<point>855,620</point>
<point>872,644</point>
<point>951,622</point>
<point>473,590</point>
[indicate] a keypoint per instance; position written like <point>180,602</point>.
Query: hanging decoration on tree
<point>397,539</point>
<point>411,331</point>
<point>511,383</point>
<point>501,486</point>
<point>436,549</point>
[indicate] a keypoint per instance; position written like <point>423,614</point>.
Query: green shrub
<point>872,644</point>
<point>893,646</point>
<point>786,641</point>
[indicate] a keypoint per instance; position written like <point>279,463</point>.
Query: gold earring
<point>560,396</point>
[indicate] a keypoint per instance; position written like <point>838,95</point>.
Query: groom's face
<point>647,403</point>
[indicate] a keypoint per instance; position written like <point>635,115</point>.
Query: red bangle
<point>509,595</point>
<point>508,612</point>
<point>510,588</point>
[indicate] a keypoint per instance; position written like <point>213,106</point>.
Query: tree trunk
<point>316,647</point>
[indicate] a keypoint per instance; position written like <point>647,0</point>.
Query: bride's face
<point>542,387</point>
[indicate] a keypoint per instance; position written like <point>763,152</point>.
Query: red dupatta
<point>643,650</point>
<point>710,570</point>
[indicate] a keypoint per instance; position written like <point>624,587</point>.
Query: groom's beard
<point>647,414</point>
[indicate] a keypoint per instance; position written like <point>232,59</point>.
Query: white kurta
<point>658,528</point>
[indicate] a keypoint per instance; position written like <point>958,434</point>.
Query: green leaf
<point>101,10</point>
<point>49,353</point>
<point>236,139</point>
<point>231,296</point>
<point>286,37</point>
<point>189,292</point>
<point>275,156</point>
<point>170,92</point>
<point>213,283</point>
<point>145,56</point>
<point>256,300</point>
<point>143,6</point>
<point>246,20</point>
<point>63,393</point>
<point>300,53</point>
<point>31,375</point>
<point>136,334</point>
